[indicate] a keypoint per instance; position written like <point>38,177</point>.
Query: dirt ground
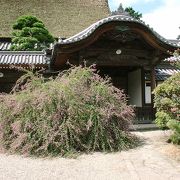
<point>155,160</point>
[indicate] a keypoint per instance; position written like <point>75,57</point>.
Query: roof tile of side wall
<point>9,59</point>
<point>63,18</point>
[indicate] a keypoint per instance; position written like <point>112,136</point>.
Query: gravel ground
<point>147,162</point>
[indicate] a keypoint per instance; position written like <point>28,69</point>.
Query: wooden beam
<point>112,51</point>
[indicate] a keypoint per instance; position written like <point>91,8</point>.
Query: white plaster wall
<point>135,88</point>
<point>147,94</point>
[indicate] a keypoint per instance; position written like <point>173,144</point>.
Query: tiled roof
<point>173,59</point>
<point>5,46</point>
<point>174,40</point>
<point>164,73</point>
<point>23,58</point>
<point>116,18</point>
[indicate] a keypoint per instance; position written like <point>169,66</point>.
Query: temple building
<point>122,47</point>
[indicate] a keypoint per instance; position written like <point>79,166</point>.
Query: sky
<point>162,15</point>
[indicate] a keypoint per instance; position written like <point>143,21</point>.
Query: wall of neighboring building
<point>135,88</point>
<point>8,79</point>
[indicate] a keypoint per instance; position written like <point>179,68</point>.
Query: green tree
<point>175,58</point>
<point>29,33</point>
<point>133,13</point>
<point>178,38</point>
<point>167,101</point>
<point>127,11</point>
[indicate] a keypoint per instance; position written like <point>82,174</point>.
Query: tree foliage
<point>29,33</point>
<point>133,13</point>
<point>127,11</point>
<point>175,58</point>
<point>178,38</point>
<point>167,102</point>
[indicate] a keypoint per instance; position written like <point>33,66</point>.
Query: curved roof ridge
<point>92,26</point>
<point>119,18</point>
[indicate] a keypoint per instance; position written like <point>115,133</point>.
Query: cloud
<point>165,19</point>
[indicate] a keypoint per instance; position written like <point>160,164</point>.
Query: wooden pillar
<point>153,78</point>
<point>153,85</point>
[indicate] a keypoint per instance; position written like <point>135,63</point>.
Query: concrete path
<point>143,163</point>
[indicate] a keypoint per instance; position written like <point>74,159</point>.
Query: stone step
<point>143,127</point>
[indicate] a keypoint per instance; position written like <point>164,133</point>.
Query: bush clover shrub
<point>78,111</point>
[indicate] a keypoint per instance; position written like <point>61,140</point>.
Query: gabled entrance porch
<point>125,49</point>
